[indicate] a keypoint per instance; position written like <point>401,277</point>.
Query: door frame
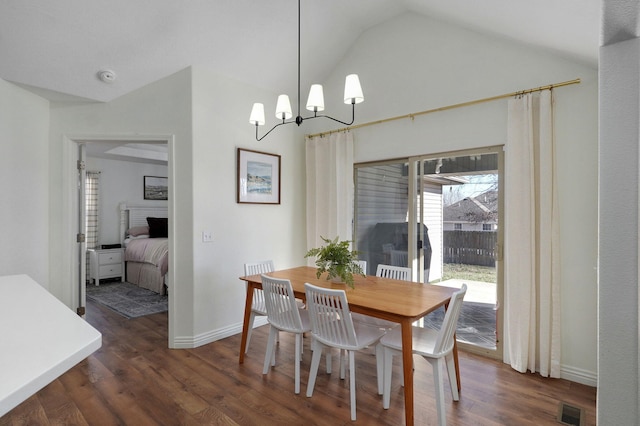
<point>70,212</point>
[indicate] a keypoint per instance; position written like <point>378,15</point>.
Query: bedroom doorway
<point>118,170</point>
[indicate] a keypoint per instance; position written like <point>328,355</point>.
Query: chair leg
<point>352,383</point>
<point>379,367</point>
<point>453,379</point>
<point>342,364</point>
<point>388,363</point>
<point>439,388</point>
<point>251,318</point>
<point>313,370</point>
<point>297,366</point>
<point>269,356</point>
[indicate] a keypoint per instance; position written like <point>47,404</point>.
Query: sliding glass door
<point>440,216</point>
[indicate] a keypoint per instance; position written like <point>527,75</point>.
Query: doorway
<point>455,201</point>
<point>105,148</point>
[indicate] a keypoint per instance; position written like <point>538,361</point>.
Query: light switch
<point>207,236</point>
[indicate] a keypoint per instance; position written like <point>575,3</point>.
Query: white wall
<point>411,64</point>
<point>208,114</point>
<point>24,223</point>
<point>162,110</point>
<point>241,232</point>
<point>618,352</point>
<point>120,181</point>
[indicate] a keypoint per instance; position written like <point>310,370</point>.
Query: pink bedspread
<point>149,250</point>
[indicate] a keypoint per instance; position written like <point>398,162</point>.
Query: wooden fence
<point>470,247</point>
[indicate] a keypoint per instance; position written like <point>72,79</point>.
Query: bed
<point>144,231</point>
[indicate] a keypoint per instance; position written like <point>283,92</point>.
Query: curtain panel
<point>532,287</point>
<point>329,161</point>
<point>92,198</point>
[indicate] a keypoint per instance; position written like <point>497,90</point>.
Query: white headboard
<point>131,216</point>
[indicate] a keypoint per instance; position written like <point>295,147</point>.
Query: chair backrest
<point>282,310</point>
<point>444,341</point>
<point>258,268</point>
<point>330,316</point>
<point>363,265</point>
<point>393,272</point>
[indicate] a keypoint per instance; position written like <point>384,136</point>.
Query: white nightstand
<point>107,263</point>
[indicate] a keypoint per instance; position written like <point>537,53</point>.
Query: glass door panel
<point>381,205</point>
<point>444,224</point>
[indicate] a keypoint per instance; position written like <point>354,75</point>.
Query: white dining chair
<point>363,265</point>
<point>394,272</point>
<point>332,327</point>
<point>258,307</point>
<point>283,315</point>
<point>436,346</point>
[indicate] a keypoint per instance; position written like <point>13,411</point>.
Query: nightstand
<point>107,263</point>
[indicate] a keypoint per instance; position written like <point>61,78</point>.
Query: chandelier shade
<point>352,90</point>
<point>283,108</point>
<point>315,102</point>
<point>257,114</point>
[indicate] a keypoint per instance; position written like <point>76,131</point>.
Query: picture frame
<point>258,177</point>
<point>156,188</point>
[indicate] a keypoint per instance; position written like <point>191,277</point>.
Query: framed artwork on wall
<point>258,180</point>
<point>156,188</point>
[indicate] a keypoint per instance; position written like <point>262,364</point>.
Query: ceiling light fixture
<point>315,103</point>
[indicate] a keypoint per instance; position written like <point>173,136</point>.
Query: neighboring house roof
<point>482,208</point>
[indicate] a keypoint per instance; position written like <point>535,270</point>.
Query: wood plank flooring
<point>135,380</point>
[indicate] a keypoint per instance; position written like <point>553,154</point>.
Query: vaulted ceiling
<point>57,48</point>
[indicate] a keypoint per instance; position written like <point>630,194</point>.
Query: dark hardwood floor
<point>135,380</point>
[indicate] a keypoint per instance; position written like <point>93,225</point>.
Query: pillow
<point>158,227</point>
<point>138,230</point>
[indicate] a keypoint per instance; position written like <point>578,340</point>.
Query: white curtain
<point>329,161</point>
<point>92,198</point>
<point>531,252</point>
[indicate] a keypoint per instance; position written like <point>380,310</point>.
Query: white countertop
<point>40,339</point>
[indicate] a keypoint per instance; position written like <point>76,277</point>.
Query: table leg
<point>245,324</point>
<point>407,366</point>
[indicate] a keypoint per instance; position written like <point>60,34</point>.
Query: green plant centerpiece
<point>337,260</point>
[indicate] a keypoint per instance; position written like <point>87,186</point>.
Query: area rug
<point>126,299</point>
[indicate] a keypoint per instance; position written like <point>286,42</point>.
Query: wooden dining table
<point>394,300</point>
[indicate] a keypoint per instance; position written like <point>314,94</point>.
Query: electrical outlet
<point>207,236</point>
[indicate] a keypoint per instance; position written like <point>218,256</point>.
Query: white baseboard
<point>189,342</point>
<point>579,375</point>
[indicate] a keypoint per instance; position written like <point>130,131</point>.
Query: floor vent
<point>570,415</point>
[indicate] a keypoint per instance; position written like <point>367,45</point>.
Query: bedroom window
<point>91,205</point>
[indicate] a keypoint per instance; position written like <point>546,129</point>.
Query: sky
<point>476,186</point>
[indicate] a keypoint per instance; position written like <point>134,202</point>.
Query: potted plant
<point>337,260</point>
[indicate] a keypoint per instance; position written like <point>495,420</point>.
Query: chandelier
<point>315,102</point>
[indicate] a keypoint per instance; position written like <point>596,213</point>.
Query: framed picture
<point>258,177</point>
<point>156,188</point>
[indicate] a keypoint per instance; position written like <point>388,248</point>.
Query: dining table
<point>399,301</point>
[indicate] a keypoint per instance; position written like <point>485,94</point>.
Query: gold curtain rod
<point>445,108</point>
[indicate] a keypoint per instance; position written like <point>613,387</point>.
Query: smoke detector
<point>107,76</point>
